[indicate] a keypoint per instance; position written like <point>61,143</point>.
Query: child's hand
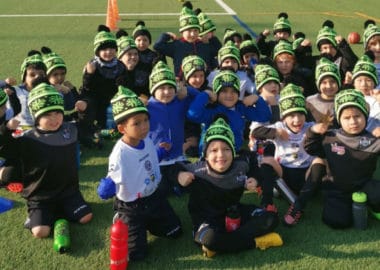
<point>185,178</point>
<point>181,89</point>
<point>282,134</point>
<point>320,128</point>
<point>90,68</point>
<point>10,81</point>
<point>144,99</point>
<point>338,39</point>
<point>172,35</point>
<point>250,100</point>
<point>251,184</point>
<point>348,78</point>
<point>62,88</point>
<point>9,90</point>
<point>165,145</point>
<point>68,84</point>
<point>80,105</point>
<point>13,124</point>
<point>306,43</point>
<point>212,96</point>
<point>266,32</point>
<point>376,132</point>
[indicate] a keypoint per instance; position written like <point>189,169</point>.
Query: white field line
<point>224,6</point>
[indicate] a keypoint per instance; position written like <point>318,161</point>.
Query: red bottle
<point>232,218</point>
<point>119,246</point>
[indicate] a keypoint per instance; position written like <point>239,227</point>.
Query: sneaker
<point>27,223</point>
<point>293,215</point>
<point>208,253</point>
<point>270,208</point>
<point>268,240</point>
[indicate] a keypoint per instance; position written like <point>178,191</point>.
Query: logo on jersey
<point>340,150</point>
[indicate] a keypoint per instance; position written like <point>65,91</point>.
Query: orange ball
<point>353,38</point>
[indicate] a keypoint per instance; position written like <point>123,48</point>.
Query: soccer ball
<point>353,38</point>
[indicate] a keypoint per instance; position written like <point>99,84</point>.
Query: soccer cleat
<point>270,208</point>
<point>268,240</point>
<point>208,253</point>
<point>293,215</point>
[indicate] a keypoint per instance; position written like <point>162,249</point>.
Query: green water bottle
<point>61,236</point>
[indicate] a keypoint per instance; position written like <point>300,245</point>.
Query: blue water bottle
<point>5,204</point>
<point>110,124</point>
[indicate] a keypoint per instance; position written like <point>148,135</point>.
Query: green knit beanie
<point>283,46</point>
<point>249,46</point>
<point>124,44</point>
<point>229,34</point>
<point>3,97</point>
<point>32,59</point>
<point>282,24</point>
<point>226,78</point>
<point>292,100</point>
<point>365,66</point>
<point>229,50</point>
<point>219,130</point>
<point>124,103</point>
<point>44,98</point>
<point>161,74</point>
<point>327,68</point>
<point>326,34</point>
<point>192,63</point>
<point>52,60</point>
<point>264,74</point>
<point>188,20</point>
<point>141,30</point>
<point>207,25</point>
<point>104,39</point>
<point>350,98</point>
<point>371,30</point>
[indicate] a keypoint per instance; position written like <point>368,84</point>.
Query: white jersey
<point>24,116</point>
<point>136,172</point>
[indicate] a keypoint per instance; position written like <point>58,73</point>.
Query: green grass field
<point>310,245</point>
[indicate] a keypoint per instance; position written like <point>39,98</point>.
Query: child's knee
<point>85,219</point>
<point>41,231</point>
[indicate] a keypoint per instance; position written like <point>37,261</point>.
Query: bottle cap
<point>359,197</point>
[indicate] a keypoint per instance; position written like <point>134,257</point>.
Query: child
<point>371,42</point>
<point>351,153</point>
<point>229,58</point>
<point>167,121</point>
<point>328,82</point>
<point>48,155</point>
<point>100,78</point>
<point>282,30</point>
<point>178,48</point>
<point>226,87</point>
<point>32,70</point>
<point>288,136</point>
<point>233,36</point>
<point>208,30</point>
<point>216,185</point>
<point>134,169</point>
<point>249,56</point>
<point>56,74</point>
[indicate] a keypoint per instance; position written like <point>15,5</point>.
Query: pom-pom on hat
<point>192,63</point>
<point>229,50</point>
<point>365,66</point>
<point>124,43</point>
<point>3,97</point>
<point>226,78</point>
<point>249,45</point>
<point>292,100</point>
<point>104,39</point>
<point>350,98</point>
<point>327,68</point>
<point>44,98</point>
<point>370,30</point>
<point>125,103</point>
<point>283,46</point>
<point>219,130</point>
<point>34,58</point>
<point>282,24</point>
<point>141,30</point>
<point>52,60</point>
<point>207,25</point>
<point>187,18</point>
<point>264,74</point>
<point>161,74</point>
<point>229,35</point>
<point>327,34</point>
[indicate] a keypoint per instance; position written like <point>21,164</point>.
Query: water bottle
<point>232,218</point>
<point>285,191</point>
<point>5,204</point>
<point>110,124</point>
<point>359,210</point>
<point>61,235</point>
<point>119,246</point>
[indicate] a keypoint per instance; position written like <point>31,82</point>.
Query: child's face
<point>142,43</point>
<point>134,129</point>
<point>282,35</point>
<point>31,75</point>
<point>271,88</point>
<point>237,41</point>
<point>248,56</point>
<point>191,35</point>
<point>374,46</point>
<point>197,79</point>
<point>295,121</point>
<point>376,94</point>
<point>328,87</point>
<point>130,59</point>
<point>165,93</point>
<point>230,62</point>
<point>328,48</point>
<point>352,120</point>
<point>107,54</point>
<point>57,76</point>
<point>3,109</point>
<point>219,156</point>
<point>285,63</point>
<point>50,121</point>
<point>365,84</point>
<point>228,97</point>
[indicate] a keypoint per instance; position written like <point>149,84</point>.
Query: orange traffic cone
<point>115,9</point>
<point>111,20</point>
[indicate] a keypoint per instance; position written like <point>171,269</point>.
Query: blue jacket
<point>199,112</point>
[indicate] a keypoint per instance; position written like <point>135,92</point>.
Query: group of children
<point>312,121</point>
